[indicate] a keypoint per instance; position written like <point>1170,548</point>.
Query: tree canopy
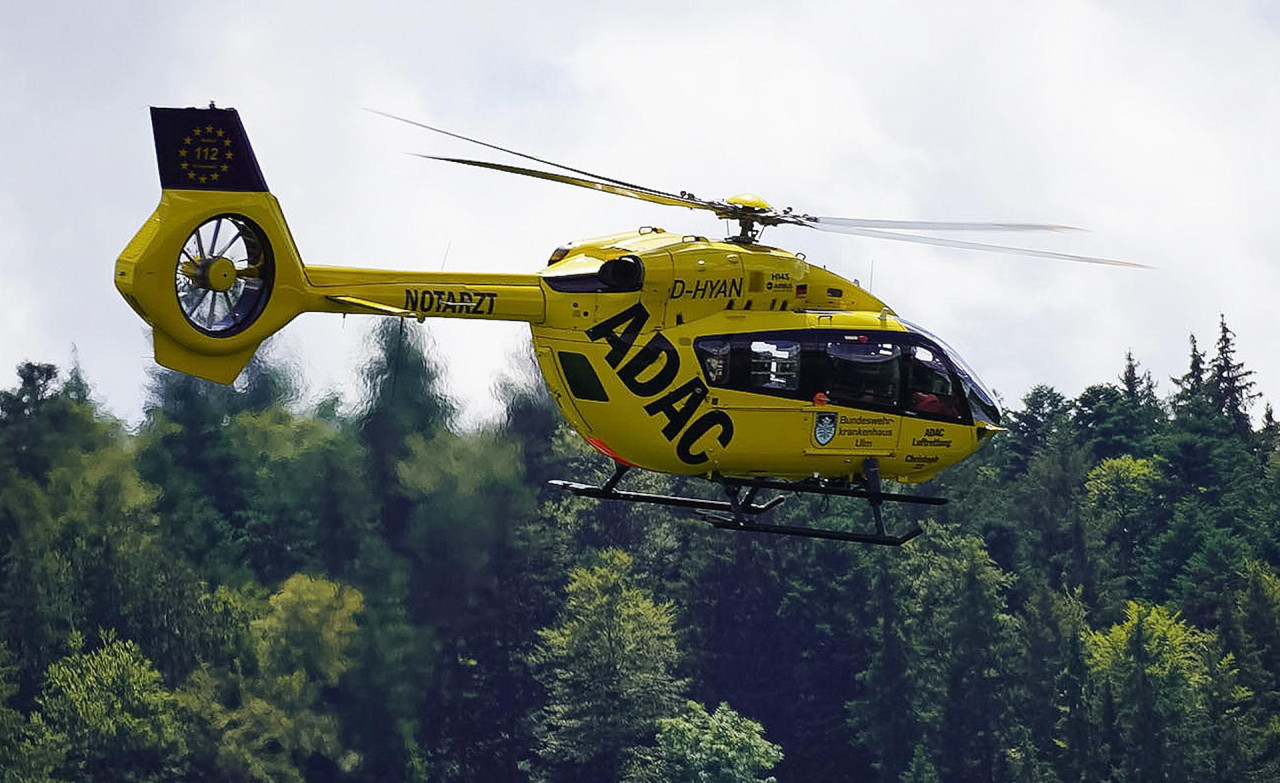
<point>244,588</point>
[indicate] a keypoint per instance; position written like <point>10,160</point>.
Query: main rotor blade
<point>1017,251</point>
<point>643,194</point>
<point>526,156</point>
<point>931,225</point>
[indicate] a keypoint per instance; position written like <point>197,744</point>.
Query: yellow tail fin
<point>215,271</point>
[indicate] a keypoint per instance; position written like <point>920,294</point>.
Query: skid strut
<point>738,511</point>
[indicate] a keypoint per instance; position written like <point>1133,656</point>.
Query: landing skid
<point>736,511</point>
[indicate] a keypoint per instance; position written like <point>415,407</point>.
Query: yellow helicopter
<point>725,359</point>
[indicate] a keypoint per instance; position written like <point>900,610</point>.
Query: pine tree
<point>1269,437</point>
<point>404,397</point>
<point>1045,417</point>
<point>1230,388</point>
<point>1191,399</point>
<point>883,715</point>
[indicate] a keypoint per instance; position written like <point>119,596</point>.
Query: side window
<point>930,390</point>
<point>583,382</point>
<point>713,354</point>
<point>864,372</point>
<point>775,365</point>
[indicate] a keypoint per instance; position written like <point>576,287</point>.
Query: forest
<point>243,587</point>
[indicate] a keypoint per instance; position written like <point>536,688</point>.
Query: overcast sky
<point>1156,125</point>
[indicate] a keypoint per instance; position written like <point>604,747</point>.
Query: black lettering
<point>677,289</point>
<point>630,321</point>
<point>735,288</point>
<point>410,299</point>
<point>701,427</point>
<point>659,347</point>
<point>678,415</point>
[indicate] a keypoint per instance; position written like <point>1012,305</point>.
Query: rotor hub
<point>219,274</point>
<point>750,201</point>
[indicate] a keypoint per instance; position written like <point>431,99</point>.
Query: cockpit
<point>912,373</point>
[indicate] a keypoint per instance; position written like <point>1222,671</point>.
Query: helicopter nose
<point>986,429</point>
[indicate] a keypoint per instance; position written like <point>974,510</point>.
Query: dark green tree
<point>187,449</point>
<point>28,752</point>
<point>404,397</point>
<point>609,669</point>
<point>1045,417</point>
<point>1113,421</point>
<point>1230,387</point>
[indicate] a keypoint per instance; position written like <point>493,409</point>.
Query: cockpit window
<point>930,389</point>
<point>981,400</point>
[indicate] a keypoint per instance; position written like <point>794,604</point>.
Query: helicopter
<point>725,359</point>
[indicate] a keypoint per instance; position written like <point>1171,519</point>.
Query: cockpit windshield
<point>981,400</point>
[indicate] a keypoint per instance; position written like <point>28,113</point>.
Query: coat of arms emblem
<point>824,428</point>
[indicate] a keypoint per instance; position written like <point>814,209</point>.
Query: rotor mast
<point>750,208</point>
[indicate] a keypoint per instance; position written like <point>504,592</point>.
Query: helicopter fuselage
<point>745,360</point>
<point>672,353</point>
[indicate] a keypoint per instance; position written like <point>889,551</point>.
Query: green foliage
<point>322,595</point>
<point>697,747</point>
<point>608,667</point>
<point>1176,696</point>
<point>112,716</point>
<point>28,752</point>
<point>308,630</point>
<point>40,424</point>
<point>271,723</point>
<point>1122,493</point>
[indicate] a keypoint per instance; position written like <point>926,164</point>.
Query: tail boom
<point>485,296</point>
<point>215,270</point>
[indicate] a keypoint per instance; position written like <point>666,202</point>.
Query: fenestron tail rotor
<point>753,213</point>
<point>223,275</point>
